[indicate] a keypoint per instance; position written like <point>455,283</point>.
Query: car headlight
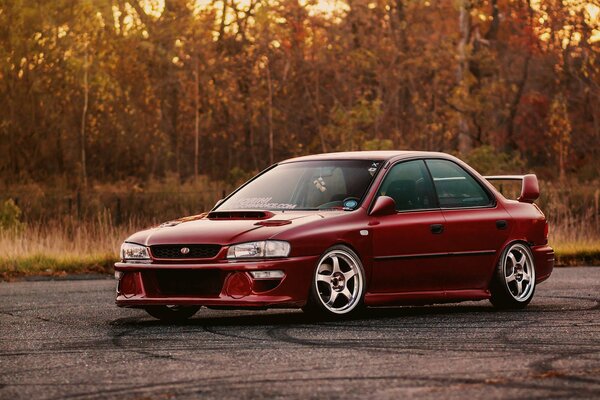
<point>262,249</point>
<point>134,252</point>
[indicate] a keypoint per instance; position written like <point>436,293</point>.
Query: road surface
<point>67,340</point>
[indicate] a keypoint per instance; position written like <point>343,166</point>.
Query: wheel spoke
<point>510,278</point>
<point>519,288</point>
<point>349,275</point>
<point>332,298</point>
<point>336,264</point>
<point>512,258</point>
<point>346,292</point>
<point>325,267</point>
<point>526,277</point>
<point>324,278</point>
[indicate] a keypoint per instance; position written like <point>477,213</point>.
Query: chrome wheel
<point>339,281</point>
<point>519,272</point>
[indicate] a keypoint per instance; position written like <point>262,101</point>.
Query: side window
<point>409,184</point>
<point>455,187</point>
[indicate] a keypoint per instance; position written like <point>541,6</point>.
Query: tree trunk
<point>511,142</point>
<point>83,117</point>
<point>464,138</point>
<point>270,113</point>
<point>197,119</point>
<point>318,112</point>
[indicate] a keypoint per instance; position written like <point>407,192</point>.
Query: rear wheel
<point>338,283</point>
<point>513,285</point>
<point>172,313</point>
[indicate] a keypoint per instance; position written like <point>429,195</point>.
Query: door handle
<point>436,229</point>
<point>501,224</point>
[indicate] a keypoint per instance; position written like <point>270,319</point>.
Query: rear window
<point>455,187</point>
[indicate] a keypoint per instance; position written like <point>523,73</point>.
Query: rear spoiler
<point>530,189</point>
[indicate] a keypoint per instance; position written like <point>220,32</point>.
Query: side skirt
<point>429,297</point>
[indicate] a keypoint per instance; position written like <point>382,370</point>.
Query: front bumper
<point>219,284</point>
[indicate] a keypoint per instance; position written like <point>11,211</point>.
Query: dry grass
<point>575,245</point>
<point>67,238</point>
<point>67,245</point>
<point>576,241</point>
<point>63,247</point>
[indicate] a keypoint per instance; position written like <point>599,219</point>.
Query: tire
<point>513,284</point>
<point>337,285</point>
<point>172,313</point>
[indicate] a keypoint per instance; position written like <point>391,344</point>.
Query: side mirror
<point>530,189</point>
<point>384,205</point>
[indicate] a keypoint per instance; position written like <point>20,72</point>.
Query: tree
<point>186,88</point>
<point>559,132</point>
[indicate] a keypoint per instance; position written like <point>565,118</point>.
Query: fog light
<point>267,274</point>
<point>128,284</point>
<point>238,285</point>
<point>118,275</point>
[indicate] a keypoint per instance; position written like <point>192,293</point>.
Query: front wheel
<point>513,284</point>
<point>338,283</point>
<point>172,313</point>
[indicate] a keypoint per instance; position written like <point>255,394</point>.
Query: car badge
<point>184,250</point>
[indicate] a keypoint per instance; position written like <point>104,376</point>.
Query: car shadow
<point>297,317</point>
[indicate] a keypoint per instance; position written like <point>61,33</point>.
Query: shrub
<point>10,216</point>
<point>487,160</point>
<point>378,144</point>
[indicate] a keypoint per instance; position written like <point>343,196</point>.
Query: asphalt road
<point>61,340</point>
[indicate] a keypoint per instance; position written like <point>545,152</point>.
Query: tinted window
<point>410,186</point>
<point>327,184</point>
<point>455,187</point>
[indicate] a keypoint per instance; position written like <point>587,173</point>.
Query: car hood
<point>228,228</point>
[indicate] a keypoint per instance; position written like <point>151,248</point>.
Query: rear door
<point>475,225</point>
<point>408,246</point>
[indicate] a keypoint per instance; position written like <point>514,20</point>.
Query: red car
<point>333,233</point>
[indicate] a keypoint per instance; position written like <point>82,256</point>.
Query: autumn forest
<point>109,90</point>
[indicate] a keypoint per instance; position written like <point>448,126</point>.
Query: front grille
<point>207,282</point>
<point>173,251</point>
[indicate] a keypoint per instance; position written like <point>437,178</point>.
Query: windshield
<point>307,185</point>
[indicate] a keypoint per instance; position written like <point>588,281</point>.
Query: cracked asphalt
<point>67,340</point>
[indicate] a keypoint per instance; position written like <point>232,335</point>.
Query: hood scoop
<point>176,222</point>
<point>274,222</point>
<point>245,215</point>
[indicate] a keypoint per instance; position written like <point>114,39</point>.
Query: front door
<point>409,246</point>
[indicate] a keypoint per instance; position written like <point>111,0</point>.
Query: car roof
<point>381,155</point>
